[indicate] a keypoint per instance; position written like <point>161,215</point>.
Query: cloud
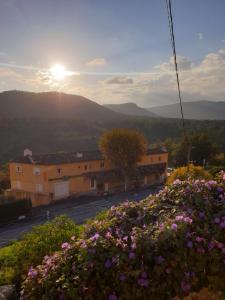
<point>97,62</point>
<point>199,81</point>
<point>200,36</point>
<point>223,41</point>
<point>119,80</point>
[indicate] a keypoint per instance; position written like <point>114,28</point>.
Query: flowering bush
<point>166,246</point>
<point>194,172</point>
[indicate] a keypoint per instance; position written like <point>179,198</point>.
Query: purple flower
<point>185,287</point>
<point>131,255</point>
<point>143,282</point>
<point>199,239</point>
<point>32,273</point>
<point>222,224</point>
<point>112,297</point>
<point>122,277</point>
<point>174,226</point>
<point>201,215</point>
<point>66,246</point>
<point>217,220</point>
<point>95,237</point>
<point>108,264</point>
<point>189,244</point>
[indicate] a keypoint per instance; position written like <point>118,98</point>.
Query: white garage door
<point>61,189</point>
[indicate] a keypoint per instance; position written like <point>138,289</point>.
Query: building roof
<point>145,170</point>
<point>72,157</point>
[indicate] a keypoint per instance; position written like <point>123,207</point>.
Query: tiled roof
<point>72,157</point>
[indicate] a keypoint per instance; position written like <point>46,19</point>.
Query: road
<point>79,209</point>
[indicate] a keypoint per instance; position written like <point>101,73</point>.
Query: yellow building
<point>49,177</point>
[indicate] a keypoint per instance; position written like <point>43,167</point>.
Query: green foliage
<point>184,173</point>
<point>202,149</point>
<point>168,245</point>
<point>16,259</point>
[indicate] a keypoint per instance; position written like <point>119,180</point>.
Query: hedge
<point>11,208</point>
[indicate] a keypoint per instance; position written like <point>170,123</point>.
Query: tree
<point>202,149</point>
<point>123,148</point>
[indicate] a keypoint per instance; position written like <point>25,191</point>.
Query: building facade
<point>50,177</point>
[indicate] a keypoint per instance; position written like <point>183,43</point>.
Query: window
<point>16,185</point>
<point>102,165</point>
<point>19,169</point>
<point>159,158</point>
<point>58,170</point>
<point>92,184</point>
<point>37,171</point>
<point>85,167</point>
<point>39,188</point>
<point>89,166</point>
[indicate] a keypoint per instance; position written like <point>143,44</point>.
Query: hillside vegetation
<point>53,122</point>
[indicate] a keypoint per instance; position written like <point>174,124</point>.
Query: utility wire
<point>186,137</point>
<point>170,19</point>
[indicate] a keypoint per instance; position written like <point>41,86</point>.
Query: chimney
<point>27,152</point>
<point>79,155</point>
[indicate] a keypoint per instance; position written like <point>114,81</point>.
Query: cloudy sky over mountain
<point>113,51</point>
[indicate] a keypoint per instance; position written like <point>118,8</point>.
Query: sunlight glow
<point>58,72</point>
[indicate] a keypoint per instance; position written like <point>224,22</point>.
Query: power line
<point>170,19</point>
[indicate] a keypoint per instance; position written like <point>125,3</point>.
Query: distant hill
<point>55,122</point>
<point>131,109</point>
<point>23,105</point>
<point>199,110</point>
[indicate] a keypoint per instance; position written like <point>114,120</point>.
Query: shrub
<point>168,245</point>
<point>11,208</point>
<point>194,172</point>
<point>44,239</point>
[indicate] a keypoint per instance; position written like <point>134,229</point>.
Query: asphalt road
<point>79,209</point>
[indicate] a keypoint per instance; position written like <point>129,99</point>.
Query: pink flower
<point>66,246</point>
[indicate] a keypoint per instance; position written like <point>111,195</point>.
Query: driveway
<point>79,209</point>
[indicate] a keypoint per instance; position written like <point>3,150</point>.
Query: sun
<point>58,72</point>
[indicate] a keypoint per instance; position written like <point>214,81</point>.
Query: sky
<point>113,51</point>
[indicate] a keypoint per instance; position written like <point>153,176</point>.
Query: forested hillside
<point>52,135</point>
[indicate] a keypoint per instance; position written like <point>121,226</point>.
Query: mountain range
<point>131,109</point>
<point>199,110</point>
<point>56,122</point>
<point>20,105</point>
